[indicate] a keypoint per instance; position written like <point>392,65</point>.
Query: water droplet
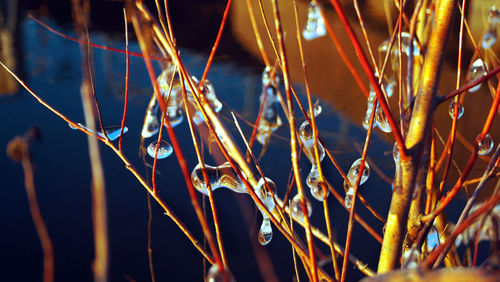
<point>270,120</point>
<point>489,38</point>
<point>71,126</point>
<point>222,176</point>
<point>317,109</point>
<point>151,124</point>
<point>164,149</point>
<point>113,132</point>
<point>306,137</point>
<point>354,171</point>
<point>265,196</point>
<point>313,180</point>
<point>395,152</point>
<point>493,15</point>
<point>484,146</point>
<point>317,193</point>
<point>451,110</point>
<point>348,198</point>
<point>477,70</point>
<point>389,88</point>
<point>382,121</point>
<point>266,77</point>
<point>315,26</point>
<point>215,275</point>
<point>265,232</point>
<point>175,118</point>
<point>296,207</point>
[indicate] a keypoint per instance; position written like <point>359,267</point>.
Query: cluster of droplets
<point>490,36</point>
<point>224,176</point>
<point>478,69</point>
<point>171,92</point>
<point>485,145</point>
<point>389,82</point>
<point>352,175</point>
<point>270,120</point>
<point>315,26</point>
<point>306,136</point>
<point>113,132</point>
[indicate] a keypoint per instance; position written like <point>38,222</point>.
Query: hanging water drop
<point>151,124</point>
<point>381,120</point>
<point>113,132</point>
<point>477,70</point>
<point>315,26</point>
<point>222,176</point>
<point>348,198</point>
<point>484,146</point>
<point>317,109</point>
<point>266,77</point>
<point>164,149</point>
<point>270,120</point>
<point>296,207</point>
<point>451,109</point>
<point>489,38</point>
<point>265,232</point>
<point>215,275</point>
<point>354,171</point>
<point>395,152</point>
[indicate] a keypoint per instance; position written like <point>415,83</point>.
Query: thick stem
<point>420,122</point>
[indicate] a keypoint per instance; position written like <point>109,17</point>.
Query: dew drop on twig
<point>164,149</point>
<point>451,110</point>
<point>484,146</point>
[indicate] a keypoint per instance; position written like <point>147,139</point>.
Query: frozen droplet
<point>265,195</point>
<point>389,88</point>
<point>208,94</point>
<point>222,176</point>
<point>151,124</point>
<point>216,275</point>
<point>313,180</point>
<point>317,193</point>
<point>265,232</point>
<point>296,207</point>
<point>369,108</point>
<point>493,15</point>
<point>381,120</point>
<point>348,198</point>
<point>410,258</point>
<point>113,132</point>
<point>266,77</point>
<point>395,152</point>
<point>175,117</point>
<point>451,110</point>
<point>317,109</point>
<point>476,70</point>
<point>270,120</point>
<point>354,171</point>
<point>485,145</point>
<point>164,149</point>
<point>315,26</point>
<point>489,38</point>
<point>71,126</point>
<point>306,137</point>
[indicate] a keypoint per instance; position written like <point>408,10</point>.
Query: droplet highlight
<point>485,146</point>
<point>164,149</point>
<point>315,26</point>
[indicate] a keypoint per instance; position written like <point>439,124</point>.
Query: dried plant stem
<point>128,165</point>
<point>18,150</point>
<point>99,213</point>
<point>418,128</point>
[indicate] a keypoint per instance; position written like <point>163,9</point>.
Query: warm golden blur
<point>331,81</point>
